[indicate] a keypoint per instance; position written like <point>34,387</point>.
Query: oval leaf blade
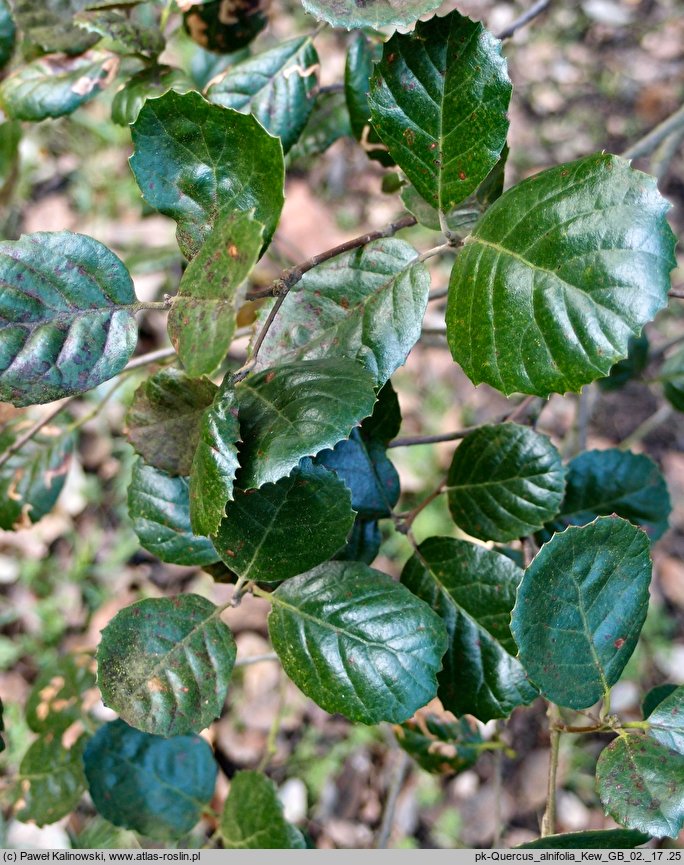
<point>356,642</point>
<point>667,721</point>
<point>159,506</point>
<point>438,100</point>
<point>504,482</point>
<point>598,839</point>
<point>194,162</point>
<point>366,305</point>
<point>66,316</point>
<point>156,786</point>
<point>580,609</point>
<point>56,85</point>
<point>557,275</point>
<point>253,818</point>
<point>51,779</point>
<point>286,528</point>
<point>640,784</point>
<point>297,410</point>
<point>278,86</point>
<point>601,483</point>
<point>473,590</point>
<point>164,664</point>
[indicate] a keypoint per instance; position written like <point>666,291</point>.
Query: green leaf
<point>370,13</point>
<point>7,33</point>
<point>672,375</point>
<point>385,422</point>
<point>580,608</point>
<point>66,316</point>
<point>655,697</point>
<point>10,136</point>
<point>165,419</point>
<point>253,818</point>
<point>438,746</point>
<point>438,100</point>
<point>49,25</point>
<point>601,483</point>
<point>149,83</point>
<point>492,186</point>
<point>367,304</point>
<point>640,783</point>
<point>56,85</point>
<point>367,472</point>
<point>55,701</point>
<point>599,839</point>
<point>129,36</point>
<point>473,590</point>
<point>164,664</point>
<point>215,463</point>
<point>33,477</point>
<point>363,543</point>
<point>159,507</point>
<point>459,220</point>
<point>286,528</point>
<point>361,56</point>
<point>667,721</point>
<point>278,87</point>
<point>202,319</point>
<point>558,274</point>
<point>195,162</point>
<point>328,123</point>
<point>505,481</point>
<point>356,642</point>
<point>51,779</point>
<point>297,410</point>
<point>216,28</point>
<point>156,786</point>
<point>2,727</point>
<point>629,368</point>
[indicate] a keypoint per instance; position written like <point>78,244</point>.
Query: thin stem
<point>644,429</point>
<point>152,304</point>
<point>548,826</point>
<point>498,758</point>
<point>678,294</point>
<point>256,659</point>
<point>436,250</point>
<point>405,521</point>
<point>150,357</point>
<point>533,12</point>
<point>662,158</point>
<point>272,741</point>
<point>650,141</point>
<point>396,783</point>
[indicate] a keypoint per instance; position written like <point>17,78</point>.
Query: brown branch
<point>533,12</point>
<point>675,293</point>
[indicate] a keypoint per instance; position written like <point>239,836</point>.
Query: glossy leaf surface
<point>580,609</point>
<point>438,100</point>
<point>667,720</point>
<point>473,590</point>
<point>56,85</point>
<point>599,839</point>
<point>286,528</point>
<point>165,419</point>
<point>34,476</point>
<point>51,779</point>
<point>297,410</point>
<point>277,86</point>
<point>601,483</point>
<point>505,481</point>
<point>557,276</point>
<point>66,316</point>
<point>356,642</point>
<point>367,304</point>
<point>358,68</point>
<point>202,319</point>
<point>215,463</point>
<point>253,818</point>
<point>363,543</point>
<point>195,162</point>
<point>54,702</point>
<point>158,787</point>
<point>370,13</point>
<point>164,664</point>
<point>640,783</point>
<point>159,506</point>
<point>129,36</point>
<point>655,697</point>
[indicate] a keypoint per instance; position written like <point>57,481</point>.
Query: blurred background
<point>588,76</point>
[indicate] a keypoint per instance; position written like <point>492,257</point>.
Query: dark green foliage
<point>225,25</point>
<point>440,747</point>
<point>252,817</point>
<point>159,787</point>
